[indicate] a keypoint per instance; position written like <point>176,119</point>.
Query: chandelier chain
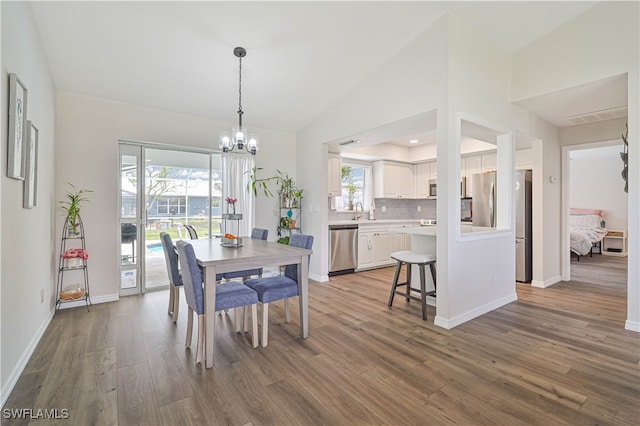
<point>240,91</point>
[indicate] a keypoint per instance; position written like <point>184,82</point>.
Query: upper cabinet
<point>424,172</point>
<point>471,165</point>
<point>392,180</point>
<point>335,175</point>
<point>489,161</point>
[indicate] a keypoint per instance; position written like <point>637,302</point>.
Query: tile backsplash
<point>395,208</point>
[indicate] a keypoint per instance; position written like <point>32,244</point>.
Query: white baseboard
<point>94,301</point>
<point>24,359</point>
<point>319,278</point>
<point>546,283</point>
<point>474,313</point>
<point>632,326</point>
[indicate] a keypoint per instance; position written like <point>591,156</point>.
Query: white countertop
<point>374,222</point>
<point>432,230</point>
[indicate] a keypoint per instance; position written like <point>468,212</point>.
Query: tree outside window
<point>353,185</point>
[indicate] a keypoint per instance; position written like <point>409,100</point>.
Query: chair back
<point>128,232</point>
<point>191,277</point>
<point>302,241</point>
<point>192,232</point>
<point>259,233</point>
<point>171,259</point>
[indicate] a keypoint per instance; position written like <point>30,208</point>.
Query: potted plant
<point>71,206</point>
<point>350,185</point>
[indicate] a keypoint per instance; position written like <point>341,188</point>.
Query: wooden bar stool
<point>412,258</point>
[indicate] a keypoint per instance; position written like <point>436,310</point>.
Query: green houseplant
<point>72,204</point>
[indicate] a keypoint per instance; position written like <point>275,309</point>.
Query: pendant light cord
<point>240,94</point>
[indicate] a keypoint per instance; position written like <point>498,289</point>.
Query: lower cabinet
<point>376,245</point>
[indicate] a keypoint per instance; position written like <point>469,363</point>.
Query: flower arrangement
<point>71,253</point>
<point>73,258</point>
<point>71,206</point>
<point>231,205</point>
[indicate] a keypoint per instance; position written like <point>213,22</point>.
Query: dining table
<point>252,253</point>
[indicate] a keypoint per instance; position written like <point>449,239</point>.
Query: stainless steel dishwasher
<point>343,240</point>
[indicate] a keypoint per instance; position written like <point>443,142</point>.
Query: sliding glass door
<point>171,188</point>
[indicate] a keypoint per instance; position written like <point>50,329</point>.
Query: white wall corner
<point>546,283</point>
<point>24,359</point>
<point>474,313</point>
<point>319,278</point>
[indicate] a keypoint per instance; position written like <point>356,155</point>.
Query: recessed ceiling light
<point>413,141</point>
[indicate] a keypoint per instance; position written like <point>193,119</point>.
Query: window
<point>355,184</point>
<point>172,205</point>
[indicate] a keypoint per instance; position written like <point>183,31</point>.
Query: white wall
<point>595,183</point>
<point>478,86</point>
<point>87,155</point>
<point>411,83</point>
<point>600,43</point>
<point>28,247</point>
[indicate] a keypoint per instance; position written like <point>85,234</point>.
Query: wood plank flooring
<point>556,356</point>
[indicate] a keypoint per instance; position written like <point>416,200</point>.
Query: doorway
<point>162,190</point>
<point>595,182</point>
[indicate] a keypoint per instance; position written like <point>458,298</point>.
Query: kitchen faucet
<point>356,217</point>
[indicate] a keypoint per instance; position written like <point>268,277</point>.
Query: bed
<point>585,230</point>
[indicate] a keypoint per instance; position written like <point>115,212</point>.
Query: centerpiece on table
<point>229,239</point>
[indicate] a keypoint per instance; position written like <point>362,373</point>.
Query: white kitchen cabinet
<point>376,243</point>
<point>472,165</point>
<point>365,250</point>
<point>489,161</point>
<point>424,172</point>
<point>392,180</point>
<point>335,175</point>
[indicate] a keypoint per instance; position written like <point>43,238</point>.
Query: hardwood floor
<point>556,356</point>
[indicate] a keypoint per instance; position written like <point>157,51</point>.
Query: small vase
<point>231,208</point>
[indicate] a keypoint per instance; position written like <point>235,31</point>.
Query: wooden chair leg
<point>265,324</point>
<point>394,284</point>
<point>176,302</point>
<point>171,299</point>
<point>245,319</point>
<point>200,346</point>
<point>287,311</point>
<point>187,342</point>
<point>236,319</point>
<point>254,324</point>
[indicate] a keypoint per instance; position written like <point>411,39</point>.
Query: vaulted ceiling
<point>302,57</point>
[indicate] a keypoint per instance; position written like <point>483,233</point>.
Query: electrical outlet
<point>383,209</point>
<point>42,295</point>
<point>419,208</point>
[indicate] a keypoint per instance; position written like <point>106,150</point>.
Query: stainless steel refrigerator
<point>524,237</point>
<point>483,204</point>
<point>484,214</point>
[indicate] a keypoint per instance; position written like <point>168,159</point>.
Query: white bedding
<point>585,231</point>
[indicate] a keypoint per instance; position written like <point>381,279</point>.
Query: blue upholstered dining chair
<point>228,295</point>
<point>257,233</point>
<point>270,289</point>
<point>175,278</point>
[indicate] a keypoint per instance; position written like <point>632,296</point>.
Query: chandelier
<point>239,136</point>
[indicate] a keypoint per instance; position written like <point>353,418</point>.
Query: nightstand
<point>615,243</point>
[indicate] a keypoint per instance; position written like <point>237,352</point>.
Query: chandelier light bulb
<point>227,142</point>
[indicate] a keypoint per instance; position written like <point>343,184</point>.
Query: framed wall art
<point>31,167</point>
<point>17,127</point>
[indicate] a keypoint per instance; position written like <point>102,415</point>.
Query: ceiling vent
<point>593,117</point>
<point>348,142</point>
